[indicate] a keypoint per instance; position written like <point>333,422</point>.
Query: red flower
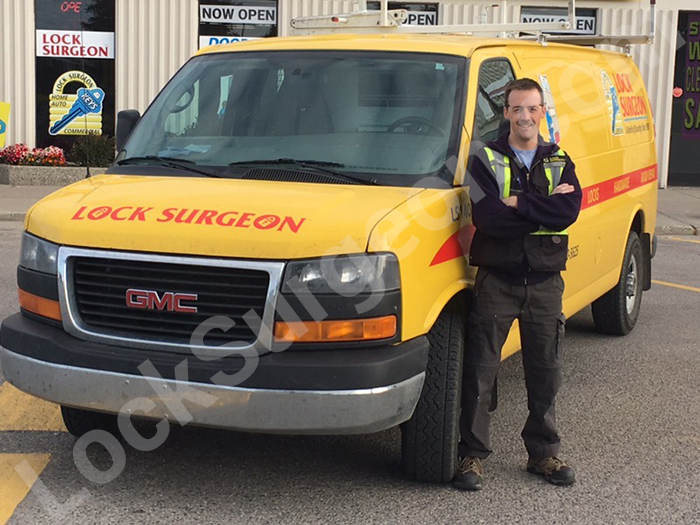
<point>20,154</point>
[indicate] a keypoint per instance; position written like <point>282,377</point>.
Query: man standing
<point>529,196</point>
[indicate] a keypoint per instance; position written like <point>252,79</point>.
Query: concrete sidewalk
<point>679,211</point>
<point>678,214</point>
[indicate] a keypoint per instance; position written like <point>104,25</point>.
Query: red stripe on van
<point>459,243</point>
<point>609,189</point>
<point>456,246</point>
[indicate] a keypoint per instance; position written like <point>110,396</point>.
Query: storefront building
<point>69,66</point>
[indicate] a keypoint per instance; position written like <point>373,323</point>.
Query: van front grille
<point>155,301</point>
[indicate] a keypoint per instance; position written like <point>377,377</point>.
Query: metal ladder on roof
<point>393,21</point>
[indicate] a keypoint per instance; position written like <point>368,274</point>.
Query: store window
<point>685,124</point>
<point>75,83</point>
<point>228,21</point>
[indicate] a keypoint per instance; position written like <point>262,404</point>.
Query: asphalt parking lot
<point>629,417</point>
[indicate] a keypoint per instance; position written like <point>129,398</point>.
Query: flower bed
<point>21,155</point>
<point>21,166</point>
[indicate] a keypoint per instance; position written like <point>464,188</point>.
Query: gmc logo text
<point>150,300</point>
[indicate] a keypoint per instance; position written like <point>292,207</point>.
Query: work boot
<point>554,470</point>
<point>469,474</point>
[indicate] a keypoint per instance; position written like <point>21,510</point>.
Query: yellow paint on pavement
<point>20,411</point>
<point>684,240</point>
<point>13,489</point>
<point>673,285</point>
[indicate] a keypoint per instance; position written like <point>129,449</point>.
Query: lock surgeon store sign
<point>74,44</point>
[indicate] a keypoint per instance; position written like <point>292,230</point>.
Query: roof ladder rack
<point>393,21</point>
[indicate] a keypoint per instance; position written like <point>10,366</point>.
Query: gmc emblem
<point>150,300</point>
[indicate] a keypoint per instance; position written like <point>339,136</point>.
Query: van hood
<point>213,217</point>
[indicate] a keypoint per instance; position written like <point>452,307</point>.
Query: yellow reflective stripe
<point>507,178</point>
<point>550,179</point>
<point>543,231</point>
<point>500,168</point>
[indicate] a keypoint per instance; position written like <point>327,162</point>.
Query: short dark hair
<point>523,84</point>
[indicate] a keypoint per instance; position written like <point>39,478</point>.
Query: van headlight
<point>38,254</point>
<point>346,275</point>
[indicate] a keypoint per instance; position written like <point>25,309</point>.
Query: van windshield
<point>392,118</point>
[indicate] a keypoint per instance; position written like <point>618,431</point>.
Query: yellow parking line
<point>13,489</point>
<point>673,285</point>
<point>684,240</point>
<point>20,411</point>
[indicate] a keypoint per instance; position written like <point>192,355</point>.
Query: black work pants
<point>538,309</point>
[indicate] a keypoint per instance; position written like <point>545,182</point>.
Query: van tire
<point>79,422</point>
<point>429,439</point>
<point>612,313</point>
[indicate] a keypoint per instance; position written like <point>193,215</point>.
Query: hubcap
<point>631,285</point>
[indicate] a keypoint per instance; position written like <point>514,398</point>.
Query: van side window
<point>494,75</point>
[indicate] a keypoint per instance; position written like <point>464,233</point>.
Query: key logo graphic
<point>76,103</point>
<point>88,101</point>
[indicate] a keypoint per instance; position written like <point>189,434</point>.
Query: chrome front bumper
<point>249,409</point>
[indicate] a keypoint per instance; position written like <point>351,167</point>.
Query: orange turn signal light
<point>336,331</point>
<point>39,305</point>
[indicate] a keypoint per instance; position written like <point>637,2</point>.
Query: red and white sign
<point>74,44</point>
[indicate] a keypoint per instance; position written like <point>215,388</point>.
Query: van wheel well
<point>460,305</point>
<point>638,223</point>
<point>648,248</point>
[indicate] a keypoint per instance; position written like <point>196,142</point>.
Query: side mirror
<point>126,121</point>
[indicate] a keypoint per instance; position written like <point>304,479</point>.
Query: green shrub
<point>93,150</point>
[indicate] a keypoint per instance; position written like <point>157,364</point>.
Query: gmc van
<point>284,236</point>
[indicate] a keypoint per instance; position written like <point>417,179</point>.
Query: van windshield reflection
<point>386,117</point>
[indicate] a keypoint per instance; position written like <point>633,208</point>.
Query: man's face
<point>525,111</point>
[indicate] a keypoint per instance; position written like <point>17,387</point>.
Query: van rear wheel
<point>79,422</point>
<point>429,439</point>
<point>617,311</point>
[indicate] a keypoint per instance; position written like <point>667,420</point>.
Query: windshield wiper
<point>318,165</point>
<point>170,162</point>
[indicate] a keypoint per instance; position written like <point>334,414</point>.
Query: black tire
<point>80,422</point>
<point>429,439</point>
<point>617,311</point>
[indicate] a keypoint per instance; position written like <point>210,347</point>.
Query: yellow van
<point>282,241</point>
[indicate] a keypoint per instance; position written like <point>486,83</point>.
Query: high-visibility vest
<point>501,171</point>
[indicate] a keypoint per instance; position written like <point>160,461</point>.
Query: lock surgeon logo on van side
<point>226,219</point>
<point>613,102</point>
<point>627,105</point>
